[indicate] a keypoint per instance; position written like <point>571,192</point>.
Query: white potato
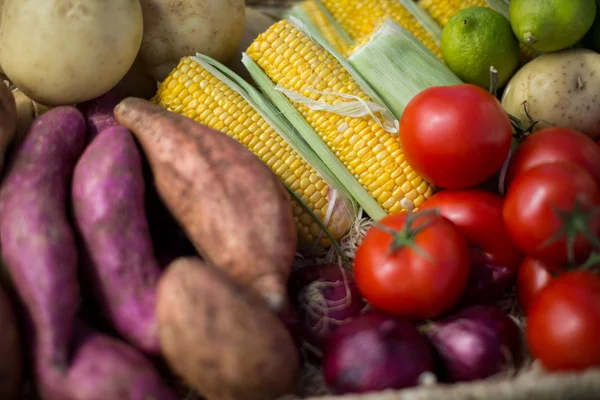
<point>174,29</point>
<point>68,51</point>
<point>561,88</point>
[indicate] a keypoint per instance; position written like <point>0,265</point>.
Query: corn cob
<point>361,18</point>
<point>193,91</point>
<point>372,155</point>
<point>317,16</point>
<point>443,10</point>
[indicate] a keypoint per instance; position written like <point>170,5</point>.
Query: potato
<point>67,51</point>
<point>175,29</point>
<point>11,362</point>
<point>233,208</point>
<point>562,89</point>
<point>109,212</point>
<point>256,23</point>
<point>220,338</point>
<point>8,120</point>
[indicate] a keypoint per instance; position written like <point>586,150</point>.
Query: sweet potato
<point>11,362</point>
<point>109,210</point>
<point>105,368</point>
<point>8,120</point>
<point>38,244</point>
<point>220,337</point>
<point>233,208</point>
<point>98,113</point>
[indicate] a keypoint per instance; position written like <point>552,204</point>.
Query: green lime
<point>591,40</point>
<point>478,38</point>
<point>551,25</point>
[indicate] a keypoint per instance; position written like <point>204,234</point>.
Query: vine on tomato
<point>455,137</point>
<point>563,324</point>
<point>551,212</point>
<point>412,265</point>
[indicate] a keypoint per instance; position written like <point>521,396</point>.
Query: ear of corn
<point>398,66</point>
<point>442,10</point>
<point>209,93</point>
<point>324,108</point>
<point>362,18</point>
<point>315,15</point>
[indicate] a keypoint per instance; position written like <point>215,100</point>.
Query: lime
<point>551,25</point>
<point>478,38</point>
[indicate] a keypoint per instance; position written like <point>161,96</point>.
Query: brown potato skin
<point>233,208</point>
<point>8,120</point>
<point>222,340</point>
<point>11,362</point>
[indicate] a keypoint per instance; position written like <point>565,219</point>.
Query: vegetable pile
<point>336,200</point>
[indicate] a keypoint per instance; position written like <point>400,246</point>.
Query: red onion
<point>325,297</point>
<point>487,283</point>
<point>376,352</point>
<point>476,343</point>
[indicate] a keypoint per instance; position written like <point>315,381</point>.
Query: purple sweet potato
<point>105,368</point>
<point>39,250</point>
<point>233,208</point>
<point>38,243</point>
<point>98,113</point>
<point>109,211</point>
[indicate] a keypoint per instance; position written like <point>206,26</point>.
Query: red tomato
<point>532,277</point>
<point>563,325</point>
<point>553,145</point>
<point>412,272</point>
<point>456,136</point>
<point>534,203</point>
<point>478,216</point>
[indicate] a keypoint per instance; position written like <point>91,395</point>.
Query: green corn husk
<point>300,12</point>
<point>364,199</point>
<point>397,66</point>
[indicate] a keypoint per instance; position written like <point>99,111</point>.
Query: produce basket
<point>529,383</point>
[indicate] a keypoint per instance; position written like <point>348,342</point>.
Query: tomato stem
<point>574,222</point>
<point>405,237</point>
<point>592,261</point>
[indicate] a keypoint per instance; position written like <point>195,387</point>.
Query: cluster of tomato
<point>537,225</point>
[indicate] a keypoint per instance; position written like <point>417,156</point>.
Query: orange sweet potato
<point>221,338</point>
<point>233,208</point>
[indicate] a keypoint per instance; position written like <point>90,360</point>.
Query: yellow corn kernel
<point>369,152</point>
<point>325,27</point>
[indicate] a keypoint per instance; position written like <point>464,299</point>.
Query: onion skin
<point>375,352</point>
<point>486,284</point>
<point>325,297</point>
<point>476,343</point>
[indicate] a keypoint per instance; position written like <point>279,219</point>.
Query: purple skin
<point>106,368</point>
<point>38,244</point>
<point>325,297</point>
<point>476,343</point>
<point>486,284</point>
<point>109,210</point>
<point>98,113</point>
<point>375,352</point>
